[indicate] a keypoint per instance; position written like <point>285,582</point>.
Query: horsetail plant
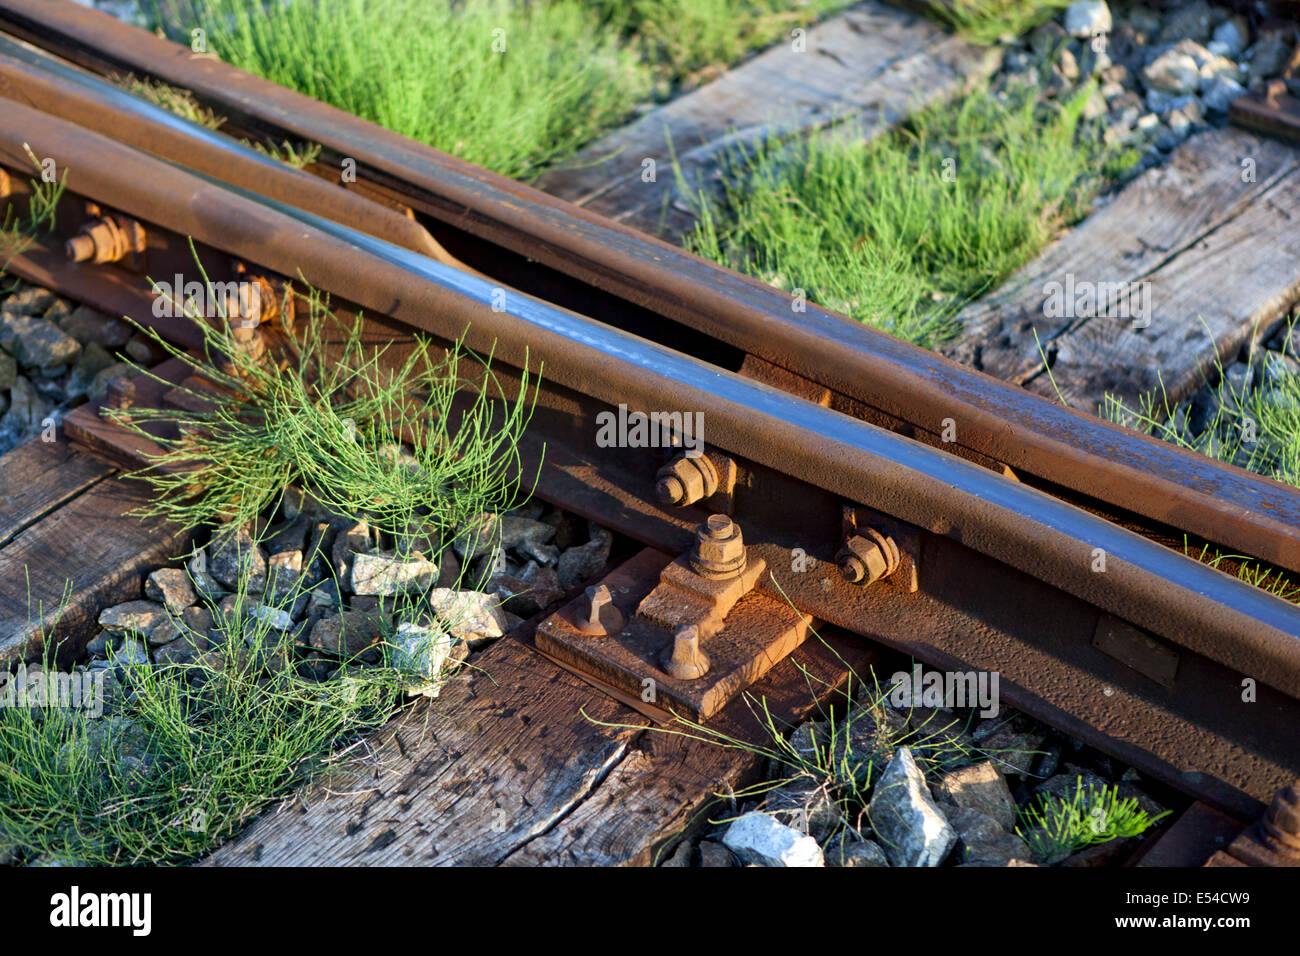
<point>1057,826</point>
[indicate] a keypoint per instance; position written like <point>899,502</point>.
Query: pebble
<point>197,571</point>
<point>471,616</point>
<point>581,563</point>
<point>92,360</point>
<point>1233,34</point>
<point>1013,745</point>
<point>27,409</point>
<point>99,384</point>
<point>1187,20</point>
<point>386,574</point>
<point>36,342</point>
<point>283,574</point>
<point>526,598</point>
<point>903,815</point>
<point>273,617</point>
<point>848,849</point>
<point>1087,19</point>
<point>29,300</point>
<point>714,854</point>
<point>347,633</point>
<point>1218,92</point>
<point>197,619</point>
<point>133,617</point>
<point>979,787</point>
<point>981,840</point>
<point>1173,72</point>
<point>90,327</point>
<point>758,839</point>
<point>170,587</point>
<point>421,652</point>
<point>1268,55</point>
<point>235,554</point>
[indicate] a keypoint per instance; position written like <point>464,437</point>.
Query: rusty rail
<point>1006,574</point>
<point>482,216</point>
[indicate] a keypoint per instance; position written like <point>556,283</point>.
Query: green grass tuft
<point>332,420</point>
<point>184,755</point>
<point>902,231</point>
<point>428,69</point>
<point>988,21</point>
<point>1057,827</point>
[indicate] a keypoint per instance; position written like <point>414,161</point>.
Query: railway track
<point>879,489</point>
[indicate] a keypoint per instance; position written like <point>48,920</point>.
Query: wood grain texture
<point>504,768</point>
<point>873,62</point>
<point>1216,250</point>
<point>37,477</point>
<point>60,572</point>
<point>499,758</point>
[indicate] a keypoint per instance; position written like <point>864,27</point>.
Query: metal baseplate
<point>684,635</point>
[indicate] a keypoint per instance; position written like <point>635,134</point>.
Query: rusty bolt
<point>1281,821</point>
<point>120,396</point>
<point>868,557</point>
<point>684,660</point>
<point>719,550</point>
<point>686,480</point>
<point>106,239</point>
<point>600,615</point>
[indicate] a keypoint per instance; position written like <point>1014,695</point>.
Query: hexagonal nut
<point>720,550</point>
<point>698,477</point>
<point>878,554</point>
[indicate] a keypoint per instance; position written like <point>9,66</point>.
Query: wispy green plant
<point>1256,428</point>
<point>1056,827</point>
<point>187,752</point>
<point>173,99</point>
<point>988,21</point>
<point>18,233</point>
<point>332,419</point>
<point>1248,569</point>
<point>511,86</point>
<point>902,231</point>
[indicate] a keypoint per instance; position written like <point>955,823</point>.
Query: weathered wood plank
<point>58,574</point>
<point>498,758</point>
<point>872,61</point>
<point>37,477</point>
<point>505,768</point>
<point>1206,304</point>
<point>1208,234</point>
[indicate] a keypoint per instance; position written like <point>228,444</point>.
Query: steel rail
<point>38,80</point>
<point>1138,475</point>
<point>776,437</point>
